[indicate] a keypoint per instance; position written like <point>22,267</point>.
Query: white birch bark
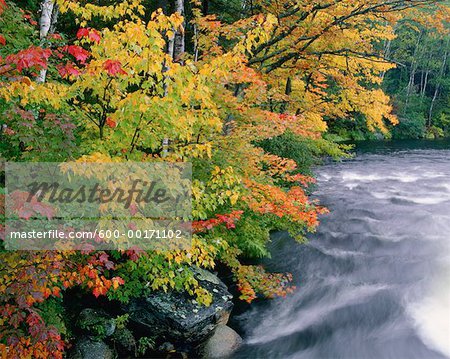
<point>179,45</point>
<point>438,86</point>
<point>45,23</point>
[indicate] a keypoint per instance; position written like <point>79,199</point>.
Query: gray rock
<point>222,344</point>
<point>166,347</point>
<point>124,339</point>
<point>379,136</point>
<point>176,318</point>
<point>96,323</point>
<point>87,348</point>
<point>204,275</point>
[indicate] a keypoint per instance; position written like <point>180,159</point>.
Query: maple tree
<point>114,91</point>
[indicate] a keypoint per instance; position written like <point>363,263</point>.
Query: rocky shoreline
<point>161,324</point>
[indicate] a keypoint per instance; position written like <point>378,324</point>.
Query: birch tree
<point>49,14</point>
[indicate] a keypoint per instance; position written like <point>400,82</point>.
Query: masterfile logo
<point>99,205</point>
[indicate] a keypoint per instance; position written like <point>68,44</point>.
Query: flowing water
<point>374,281</point>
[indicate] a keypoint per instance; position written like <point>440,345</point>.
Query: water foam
<point>400,176</point>
<point>308,316</point>
<point>432,314</point>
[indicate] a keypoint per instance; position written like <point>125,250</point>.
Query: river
<point>374,280</point>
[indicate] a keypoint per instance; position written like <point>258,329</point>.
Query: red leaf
<point>55,36</point>
<point>2,5</point>
<point>116,281</point>
<point>105,260</point>
<point>2,40</point>
<point>82,32</point>
<point>27,209</point>
<point>78,52</point>
<point>133,209</point>
<point>68,70</point>
<point>96,292</point>
<point>92,273</point>
<point>56,291</point>
<point>134,253</point>
<point>44,209</point>
<point>109,265</point>
<point>110,122</point>
<point>103,257</point>
<point>33,57</point>
<point>8,131</point>
<point>89,33</point>
<point>113,67</point>
<point>94,35</point>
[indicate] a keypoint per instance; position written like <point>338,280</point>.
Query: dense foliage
<point>243,90</point>
<point>418,85</point>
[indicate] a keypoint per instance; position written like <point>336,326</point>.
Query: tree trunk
<point>427,74</point>
<point>425,83</point>
<point>287,92</point>
<point>228,123</point>
<point>175,49</point>
<point>47,22</point>
<point>46,18</point>
<point>54,20</point>
<point>386,54</point>
<point>414,66</point>
<point>422,77</point>
<point>430,112</point>
<point>438,87</point>
<point>196,43</point>
<point>412,74</point>
<point>171,46</point>
<point>165,141</point>
<point>179,41</point>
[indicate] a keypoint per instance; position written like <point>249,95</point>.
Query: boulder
<point>87,348</point>
<point>175,317</point>
<point>166,347</point>
<point>222,344</point>
<point>124,340</point>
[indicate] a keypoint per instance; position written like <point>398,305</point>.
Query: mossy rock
<point>96,323</point>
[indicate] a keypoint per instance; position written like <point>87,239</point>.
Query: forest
<point>252,93</point>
